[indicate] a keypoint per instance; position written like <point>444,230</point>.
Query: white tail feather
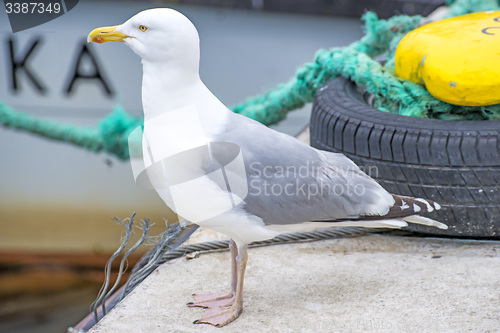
<point>394,224</point>
<point>425,221</point>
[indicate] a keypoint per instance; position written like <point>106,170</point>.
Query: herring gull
<point>226,172</point>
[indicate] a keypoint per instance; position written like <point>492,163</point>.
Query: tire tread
<point>456,163</point>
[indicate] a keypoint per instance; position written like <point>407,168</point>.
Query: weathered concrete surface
<point>372,283</point>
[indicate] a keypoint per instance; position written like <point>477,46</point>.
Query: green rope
<point>80,136</point>
<point>462,7</point>
<point>111,134</point>
<point>273,106</point>
<point>354,62</point>
<point>114,130</point>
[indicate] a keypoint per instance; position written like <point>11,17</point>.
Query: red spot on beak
<point>98,40</point>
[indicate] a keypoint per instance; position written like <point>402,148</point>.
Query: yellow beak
<point>106,34</point>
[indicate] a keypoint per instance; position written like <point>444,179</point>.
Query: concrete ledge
<point>373,283</point>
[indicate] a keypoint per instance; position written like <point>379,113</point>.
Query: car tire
<point>455,163</point>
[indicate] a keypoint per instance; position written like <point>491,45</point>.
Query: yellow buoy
<point>457,59</point>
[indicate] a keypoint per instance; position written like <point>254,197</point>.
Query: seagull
<point>231,174</point>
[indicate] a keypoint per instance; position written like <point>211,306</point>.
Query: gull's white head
<point>159,35</point>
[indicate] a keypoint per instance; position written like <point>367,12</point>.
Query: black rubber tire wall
<point>456,163</point>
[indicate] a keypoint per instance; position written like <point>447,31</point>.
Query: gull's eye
<point>143,28</point>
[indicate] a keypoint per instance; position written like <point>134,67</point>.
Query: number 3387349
<point>32,8</point>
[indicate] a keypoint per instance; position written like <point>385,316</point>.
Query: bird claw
<point>220,316</point>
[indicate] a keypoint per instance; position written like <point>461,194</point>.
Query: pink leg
<point>222,310</point>
<point>219,299</point>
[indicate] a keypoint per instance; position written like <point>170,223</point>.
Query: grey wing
<point>291,182</point>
